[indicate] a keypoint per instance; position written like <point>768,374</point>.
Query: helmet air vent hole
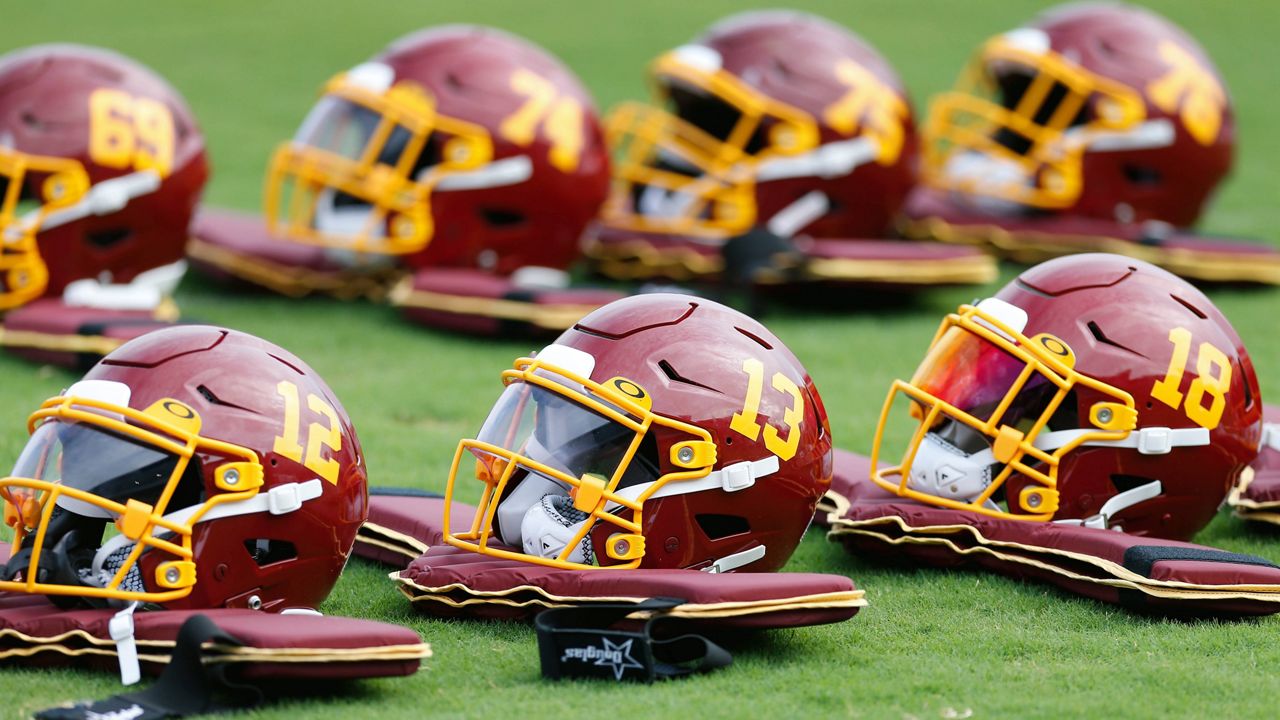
<point>108,238</point>
<point>1194,310</point>
<point>717,527</point>
<point>758,340</point>
<point>1142,176</point>
<point>1248,394</point>
<point>1102,338</point>
<point>502,217</point>
<point>267,552</point>
<point>674,376</point>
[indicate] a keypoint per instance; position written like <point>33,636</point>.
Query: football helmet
<point>456,146</point>
<point>101,167</point>
<point>661,431</point>
<point>778,119</point>
<point>1094,110</point>
<point>224,469</point>
<point>1094,388</point>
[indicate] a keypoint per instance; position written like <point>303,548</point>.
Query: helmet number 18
<point>318,435</point>
<point>1207,382</point>
<point>744,423</point>
<point>130,132</point>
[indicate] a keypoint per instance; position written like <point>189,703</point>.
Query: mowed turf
<point>932,644</point>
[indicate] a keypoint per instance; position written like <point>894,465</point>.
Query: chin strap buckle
<point>121,630</point>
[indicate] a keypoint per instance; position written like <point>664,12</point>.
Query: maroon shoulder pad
<point>450,582</point>
<point>481,303</point>
<point>32,630</point>
<point>233,246</point>
<point>402,524</point>
<point>932,214</point>
<point>1256,495</point>
<point>1147,574</point>
<point>52,332</point>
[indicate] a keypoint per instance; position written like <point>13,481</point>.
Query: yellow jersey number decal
<point>560,117</point>
<point>871,105</point>
<point>1208,382</point>
<point>128,132</point>
<point>318,435</point>
<point>1194,87</point>
<point>744,423</point>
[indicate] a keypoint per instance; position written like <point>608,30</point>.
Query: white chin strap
<point>831,160</point>
<point>790,220</point>
<point>145,292</point>
<point>985,175</point>
<point>499,173</point>
<point>1118,502</point>
<point>1147,441</point>
<point>106,197</point>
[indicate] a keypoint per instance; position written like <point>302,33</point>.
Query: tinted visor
<point>345,128</point>
<point>97,461</point>
<point>549,427</point>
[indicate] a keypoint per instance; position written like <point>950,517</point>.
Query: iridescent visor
<point>975,376</point>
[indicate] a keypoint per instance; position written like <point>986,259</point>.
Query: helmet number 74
<point>745,422</point>
<point>1207,383</point>
<point>318,435</point>
<point>559,115</point>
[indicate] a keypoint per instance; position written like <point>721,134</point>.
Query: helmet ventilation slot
<point>717,527</point>
<point>268,552</point>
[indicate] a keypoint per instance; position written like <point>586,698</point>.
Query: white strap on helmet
<point>279,500</point>
<point>499,173</point>
<point>834,159</point>
<point>795,217</point>
<point>1118,502</point>
<point>104,198</point>
<point>1271,436</point>
<point>121,630</point>
<point>735,477</point>
<point>1147,441</point>
<point>736,560</point>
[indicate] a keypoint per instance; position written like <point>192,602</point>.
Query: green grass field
<point>932,644</point>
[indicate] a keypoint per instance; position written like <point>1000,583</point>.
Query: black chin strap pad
<point>585,642</point>
<point>186,687</point>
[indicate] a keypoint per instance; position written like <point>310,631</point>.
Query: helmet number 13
<point>317,434</point>
<point>744,423</point>
<point>1207,382</point>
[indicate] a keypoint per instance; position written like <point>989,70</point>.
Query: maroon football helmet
<point>1095,389</point>
<point>778,119</point>
<point>229,470</point>
<point>457,146</point>
<point>661,431</point>
<point>1094,110</point>
<point>101,167</point>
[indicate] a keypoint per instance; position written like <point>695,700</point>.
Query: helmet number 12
<point>317,435</point>
<point>130,132</point>
<point>1207,381</point>
<point>559,115</point>
<point>744,423</point>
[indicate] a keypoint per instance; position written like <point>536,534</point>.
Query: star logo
<point>619,657</point>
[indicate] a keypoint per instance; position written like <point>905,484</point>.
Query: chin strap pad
<point>235,247</point>
<point>1144,574</point>
<point>406,527</point>
<point>475,302</point>
<point>1256,495</point>
<point>271,646</point>
<point>448,582</point>
<point>932,214</point>
<point>50,331</point>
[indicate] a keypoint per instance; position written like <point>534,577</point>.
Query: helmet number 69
<point>1207,383</point>
<point>744,423</point>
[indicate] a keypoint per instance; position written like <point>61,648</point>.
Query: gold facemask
<point>990,378</point>
<point>23,274</point>
<point>1039,141</point>
<point>78,441</point>
<point>369,147</point>
<point>586,436</point>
